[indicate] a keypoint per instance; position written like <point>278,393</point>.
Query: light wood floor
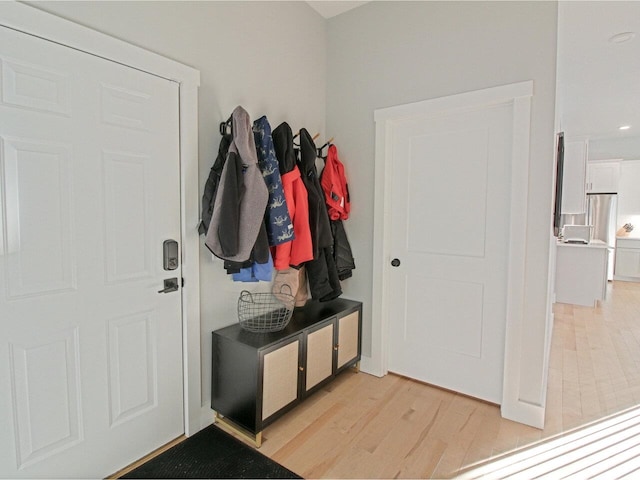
<point>361,426</point>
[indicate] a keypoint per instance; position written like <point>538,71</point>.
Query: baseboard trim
<point>523,412</point>
<point>207,416</point>
<point>367,365</point>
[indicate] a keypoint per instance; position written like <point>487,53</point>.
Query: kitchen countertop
<point>592,244</point>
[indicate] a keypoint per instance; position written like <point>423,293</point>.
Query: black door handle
<point>395,262</point>
<point>170,285</point>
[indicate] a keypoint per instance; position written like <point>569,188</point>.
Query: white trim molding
<point>30,20</point>
<point>519,95</point>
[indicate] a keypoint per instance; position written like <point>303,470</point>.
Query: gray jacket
<point>241,199</point>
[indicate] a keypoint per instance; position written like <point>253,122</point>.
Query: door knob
<point>395,262</point>
<point>170,285</point>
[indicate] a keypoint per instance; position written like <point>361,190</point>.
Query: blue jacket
<point>277,219</point>
<point>256,272</point>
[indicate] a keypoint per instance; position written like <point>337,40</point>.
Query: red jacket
<point>334,185</point>
<point>300,249</point>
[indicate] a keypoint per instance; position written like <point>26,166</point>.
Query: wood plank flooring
<point>361,426</point>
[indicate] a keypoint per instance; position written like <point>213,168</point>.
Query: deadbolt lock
<point>170,255</point>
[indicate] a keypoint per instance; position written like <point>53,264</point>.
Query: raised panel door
<point>451,233</point>
<point>89,189</point>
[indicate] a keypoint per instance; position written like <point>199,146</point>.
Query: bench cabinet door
<point>319,358</point>
<point>348,345</point>
<point>280,377</point>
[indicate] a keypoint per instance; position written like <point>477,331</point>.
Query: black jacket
<point>211,186</point>
<point>283,145</point>
<point>342,250</point>
<point>322,273</point>
<point>318,216</point>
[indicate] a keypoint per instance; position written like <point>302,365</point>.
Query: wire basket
<point>264,312</point>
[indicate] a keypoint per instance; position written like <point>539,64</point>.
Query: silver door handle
<point>170,285</point>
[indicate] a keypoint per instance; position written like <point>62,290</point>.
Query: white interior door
<point>450,191</point>
<point>91,353</point>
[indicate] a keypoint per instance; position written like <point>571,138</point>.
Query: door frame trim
<point>519,95</point>
<point>30,20</point>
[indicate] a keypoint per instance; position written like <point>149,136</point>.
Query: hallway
<point>595,358</point>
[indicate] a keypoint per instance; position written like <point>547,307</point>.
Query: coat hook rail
<point>223,127</point>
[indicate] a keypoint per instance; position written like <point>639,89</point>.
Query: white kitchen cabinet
<point>581,273</point>
<point>603,176</point>
<point>573,177</point>
<point>627,259</point>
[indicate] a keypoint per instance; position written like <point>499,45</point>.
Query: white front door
<point>90,352</point>
<point>450,214</point>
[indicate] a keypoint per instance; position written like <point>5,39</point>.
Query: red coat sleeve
<point>334,185</point>
<point>300,249</point>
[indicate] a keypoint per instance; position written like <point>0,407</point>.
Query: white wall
<point>629,196</point>
<point>390,53</point>
<point>269,57</point>
<point>625,147</point>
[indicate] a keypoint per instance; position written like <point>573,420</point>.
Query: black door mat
<point>211,453</point>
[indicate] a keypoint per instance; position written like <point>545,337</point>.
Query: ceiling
<point>599,80</point>
<point>330,9</point>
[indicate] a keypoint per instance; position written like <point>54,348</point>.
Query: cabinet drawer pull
<point>336,347</point>
<point>301,369</point>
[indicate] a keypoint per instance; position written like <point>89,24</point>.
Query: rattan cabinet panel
<point>348,339</point>
<point>257,377</point>
<point>319,355</point>
<point>280,378</point>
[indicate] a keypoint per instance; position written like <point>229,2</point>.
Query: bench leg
<point>229,425</point>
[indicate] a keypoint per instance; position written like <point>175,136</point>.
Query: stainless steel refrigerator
<point>602,212</point>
